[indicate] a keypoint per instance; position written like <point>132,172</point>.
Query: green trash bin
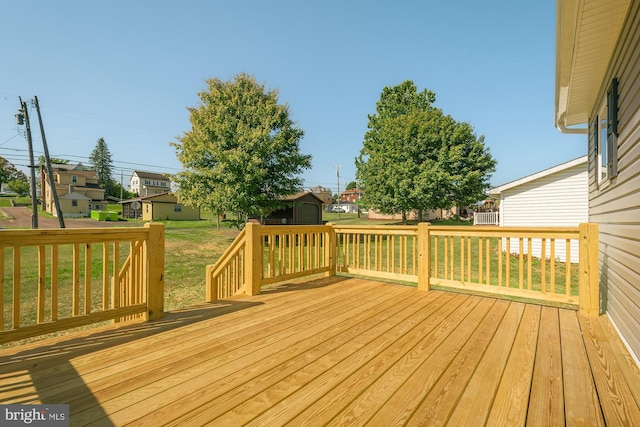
<point>99,215</point>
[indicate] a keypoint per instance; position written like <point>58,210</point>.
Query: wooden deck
<point>337,351</point>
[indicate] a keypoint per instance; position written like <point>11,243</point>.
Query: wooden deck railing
<point>533,264</point>
<point>388,252</point>
<point>261,255</point>
<point>83,276</point>
<point>528,263</point>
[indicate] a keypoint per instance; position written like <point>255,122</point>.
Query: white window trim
<point>606,137</point>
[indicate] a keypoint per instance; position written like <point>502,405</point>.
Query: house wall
<point>67,208</point>
<point>147,186</point>
<point>557,200</point>
<point>616,207</point>
<point>92,193</point>
<point>66,178</point>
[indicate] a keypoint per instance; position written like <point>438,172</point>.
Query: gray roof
<point>152,175</point>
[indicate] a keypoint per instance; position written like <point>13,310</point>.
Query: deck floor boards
<point>337,351</point>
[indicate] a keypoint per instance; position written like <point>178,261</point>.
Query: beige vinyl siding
<point>165,211</point>
<point>616,206</point>
<point>555,200</point>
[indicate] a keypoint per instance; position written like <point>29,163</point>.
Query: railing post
<point>211,288</point>
<point>253,259</point>
<point>155,271</point>
<point>424,256</point>
<point>589,288</point>
<point>331,250</point>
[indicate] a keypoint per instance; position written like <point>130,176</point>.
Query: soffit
<point>586,34</point>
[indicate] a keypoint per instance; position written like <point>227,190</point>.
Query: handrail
<point>262,255</point>
<point>522,262</point>
<point>80,278</point>
<point>226,277</point>
<point>550,265</point>
<point>388,252</point>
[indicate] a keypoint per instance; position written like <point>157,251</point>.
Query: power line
<point>14,136</point>
<point>86,159</point>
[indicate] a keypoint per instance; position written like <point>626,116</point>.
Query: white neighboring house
<point>554,197</point>
<point>149,183</point>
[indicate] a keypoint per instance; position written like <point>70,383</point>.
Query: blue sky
<point>127,71</point>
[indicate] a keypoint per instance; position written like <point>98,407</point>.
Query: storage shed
<point>554,197</point>
<point>157,207</point>
<point>303,208</point>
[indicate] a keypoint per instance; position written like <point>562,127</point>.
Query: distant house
<point>554,197</point>
<point>351,196</point>
<point>343,207</point>
<point>149,183</point>
<point>323,193</point>
<point>77,189</point>
<point>158,207</point>
<point>74,205</point>
<point>303,208</point>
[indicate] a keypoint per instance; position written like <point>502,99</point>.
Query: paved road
<point>21,217</point>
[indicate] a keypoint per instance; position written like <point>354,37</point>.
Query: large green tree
<point>102,163</point>
<point>242,153</point>
<point>414,157</point>
<point>42,160</point>
<point>15,179</point>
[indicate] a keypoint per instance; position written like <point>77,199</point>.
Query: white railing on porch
<point>486,218</point>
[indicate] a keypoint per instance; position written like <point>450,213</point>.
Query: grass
<point>187,253</point>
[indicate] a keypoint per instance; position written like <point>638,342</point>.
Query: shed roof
<point>74,196</point>
<point>301,194</point>
<point>151,197</point>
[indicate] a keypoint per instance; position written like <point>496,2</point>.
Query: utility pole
<point>47,159</point>
<point>34,195</point>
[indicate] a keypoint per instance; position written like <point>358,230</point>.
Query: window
<point>606,135</point>
<point>74,203</point>
<point>74,178</point>
<point>177,208</point>
<point>601,142</point>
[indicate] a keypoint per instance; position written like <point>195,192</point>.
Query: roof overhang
<point>586,35</point>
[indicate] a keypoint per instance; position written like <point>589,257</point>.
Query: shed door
<point>308,214</point>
